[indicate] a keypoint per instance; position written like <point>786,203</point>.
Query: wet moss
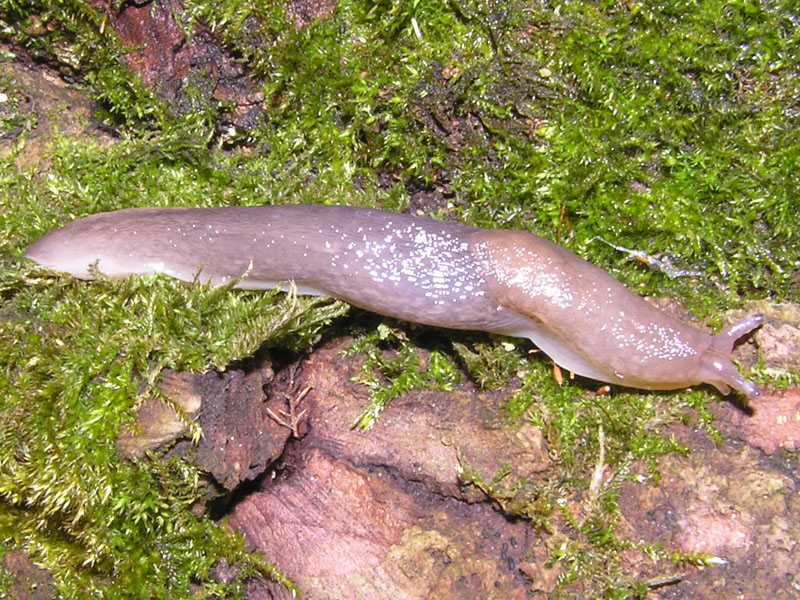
<point>394,366</point>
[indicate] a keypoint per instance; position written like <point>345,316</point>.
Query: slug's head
<point>718,369</point>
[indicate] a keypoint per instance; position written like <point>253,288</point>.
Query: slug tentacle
<point>417,269</point>
<point>720,371</point>
<point>726,339</point>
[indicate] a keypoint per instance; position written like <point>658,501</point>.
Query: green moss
<point>394,366</point>
<point>665,128</point>
<point>671,135</point>
<point>73,36</point>
<point>13,120</point>
<point>492,365</point>
<point>73,356</point>
<point>6,580</point>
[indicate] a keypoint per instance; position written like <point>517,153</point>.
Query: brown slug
<point>417,269</point>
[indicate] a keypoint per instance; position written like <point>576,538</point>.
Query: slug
<point>416,269</point>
